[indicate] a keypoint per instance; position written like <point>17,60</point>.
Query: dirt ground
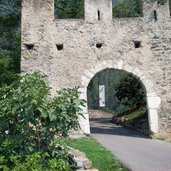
<point>99,114</point>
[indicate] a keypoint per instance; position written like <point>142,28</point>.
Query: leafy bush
<point>30,119</point>
<point>36,162</point>
<point>10,40</point>
<point>131,92</point>
<point>7,73</point>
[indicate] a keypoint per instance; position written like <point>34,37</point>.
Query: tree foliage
<point>69,9</point>
<point>30,119</point>
<point>9,40</point>
<point>162,2</point>
<point>127,8</point>
<point>10,8</point>
<point>131,92</point>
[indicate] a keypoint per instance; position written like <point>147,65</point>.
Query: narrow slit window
<point>155,15</point>
<point>29,46</point>
<point>59,47</point>
<point>98,13</point>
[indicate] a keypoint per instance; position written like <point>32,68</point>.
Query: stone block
<point>153,120</point>
<point>153,102</point>
<point>84,123</point>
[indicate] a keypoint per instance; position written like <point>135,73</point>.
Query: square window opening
<point>137,44</point>
<point>59,47</point>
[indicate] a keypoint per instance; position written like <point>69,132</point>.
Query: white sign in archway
<point>101,96</point>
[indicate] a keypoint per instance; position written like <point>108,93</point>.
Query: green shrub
<point>30,118</point>
<point>131,92</point>
<point>10,40</point>
<point>35,162</point>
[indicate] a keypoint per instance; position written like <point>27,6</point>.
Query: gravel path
<point>133,149</point>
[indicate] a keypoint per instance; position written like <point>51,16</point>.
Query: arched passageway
<point>152,99</point>
<point>120,97</point>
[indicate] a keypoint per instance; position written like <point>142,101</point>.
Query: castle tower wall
<point>80,59</point>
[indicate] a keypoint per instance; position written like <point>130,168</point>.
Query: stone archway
<point>153,100</point>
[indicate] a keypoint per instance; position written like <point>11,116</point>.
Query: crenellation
<point>98,10</point>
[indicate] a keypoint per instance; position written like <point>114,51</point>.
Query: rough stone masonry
<point>70,52</point>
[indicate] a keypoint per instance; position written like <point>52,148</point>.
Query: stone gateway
<point>70,52</point>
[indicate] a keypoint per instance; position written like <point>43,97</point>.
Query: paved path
<point>134,150</point>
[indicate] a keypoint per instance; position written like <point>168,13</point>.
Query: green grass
<point>135,119</point>
<point>100,157</point>
<point>135,114</point>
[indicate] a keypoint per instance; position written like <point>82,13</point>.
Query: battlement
<point>95,10</point>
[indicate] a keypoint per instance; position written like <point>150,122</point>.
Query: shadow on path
<point>104,126</point>
<point>135,150</point>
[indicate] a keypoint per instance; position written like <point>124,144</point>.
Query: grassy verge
<point>133,115</point>
<point>134,119</point>
<point>100,157</point>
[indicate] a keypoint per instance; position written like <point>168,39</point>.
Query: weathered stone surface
<point>80,59</point>
<point>153,102</point>
<point>82,162</point>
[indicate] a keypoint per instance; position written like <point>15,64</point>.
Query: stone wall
<point>82,162</point>
<point>70,52</point>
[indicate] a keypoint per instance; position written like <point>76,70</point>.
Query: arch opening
<point>153,99</point>
<point>119,96</point>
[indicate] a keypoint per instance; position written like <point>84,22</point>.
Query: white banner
<point>101,96</point>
